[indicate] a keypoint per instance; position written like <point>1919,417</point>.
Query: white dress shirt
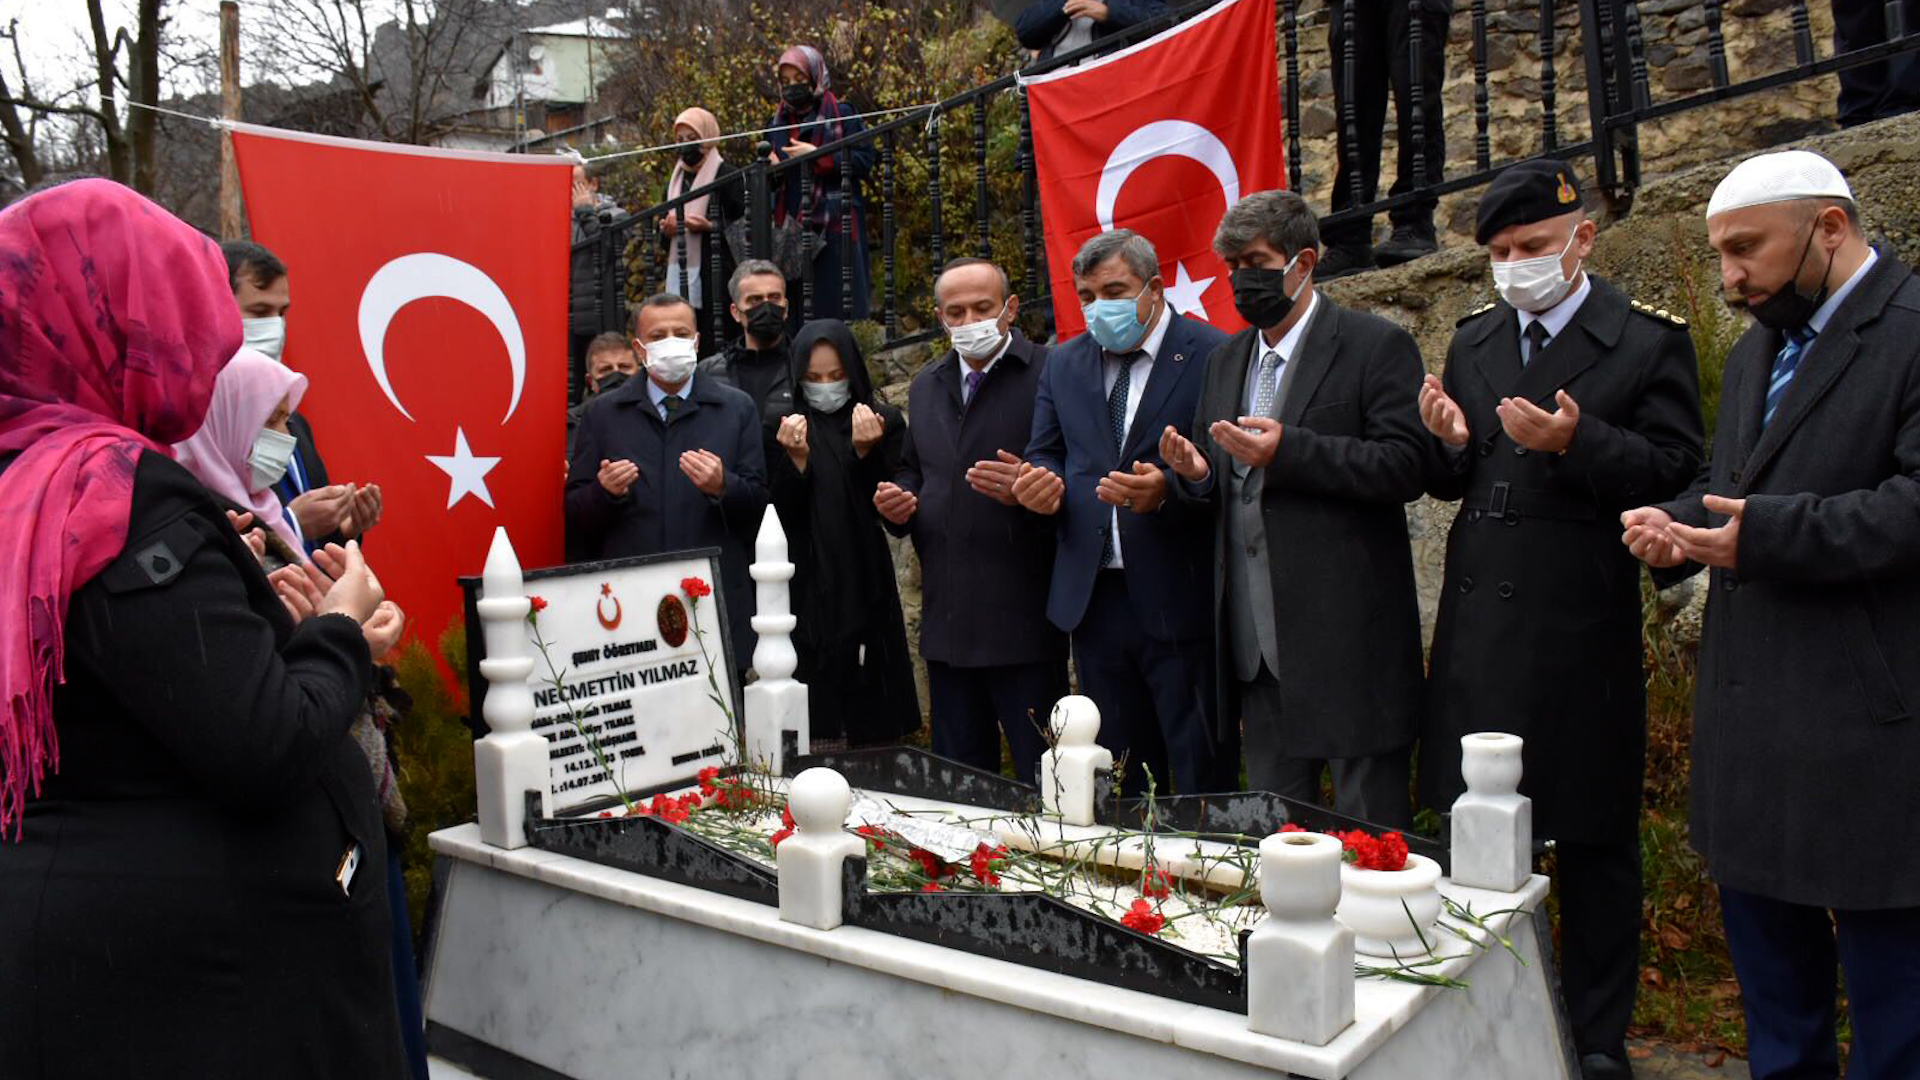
<point>966,395</point>
<point>1288,347</point>
<point>1137,375</point>
<point>1556,317</point>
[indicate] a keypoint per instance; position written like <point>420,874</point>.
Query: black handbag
<point>791,246</point>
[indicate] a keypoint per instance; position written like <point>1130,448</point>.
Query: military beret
<point>1528,192</point>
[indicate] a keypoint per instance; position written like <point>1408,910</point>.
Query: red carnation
<point>707,776</point>
<point>1154,883</point>
<point>1291,827</point>
<point>539,602</point>
<point>786,817</point>
<point>1143,918</point>
<point>982,862</point>
<point>779,836</point>
<point>695,588</point>
<point>933,886</point>
<point>930,864</point>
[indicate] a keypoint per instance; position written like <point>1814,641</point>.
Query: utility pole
<point>230,213</point>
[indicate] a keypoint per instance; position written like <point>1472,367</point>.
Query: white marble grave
<point>600,973</point>
<point>559,966</point>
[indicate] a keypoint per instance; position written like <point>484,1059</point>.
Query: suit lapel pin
<point>1177,357</point>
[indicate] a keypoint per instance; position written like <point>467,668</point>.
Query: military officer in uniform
<point>1562,404</point>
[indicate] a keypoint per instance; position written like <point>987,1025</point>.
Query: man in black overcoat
<point>1561,405</point>
<point>671,462</point>
<point>1806,746</point>
<point>1306,448</point>
<point>994,662</point>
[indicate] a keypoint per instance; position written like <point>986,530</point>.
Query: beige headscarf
<point>708,129</point>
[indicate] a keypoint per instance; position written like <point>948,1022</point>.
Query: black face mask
<point>1260,295</point>
<point>609,382</point>
<point>766,321</point>
<point>692,156</point>
<point>797,95</point>
<point>1789,308</point>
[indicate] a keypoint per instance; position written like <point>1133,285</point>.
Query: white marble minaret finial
<point>511,760</point>
<point>809,861</point>
<point>1492,821</point>
<point>776,702</point>
<point>1067,770</point>
<point>1299,959</point>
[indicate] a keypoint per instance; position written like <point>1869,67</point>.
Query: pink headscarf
<point>115,318</point>
<point>250,387</point>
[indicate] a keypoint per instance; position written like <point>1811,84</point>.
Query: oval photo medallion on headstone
<point>673,621</point>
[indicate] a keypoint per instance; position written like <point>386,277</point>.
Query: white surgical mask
<point>1534,285</point>
<point>272,450</point>
<point>268,335</point>
<point>827,397</point>
<point>671,360</point>
<point>978,340</point>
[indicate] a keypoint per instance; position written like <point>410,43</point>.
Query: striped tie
<point>1785,363</point>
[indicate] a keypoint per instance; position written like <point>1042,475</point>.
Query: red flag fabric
<point>1161,137</point>
<point>429,307</point>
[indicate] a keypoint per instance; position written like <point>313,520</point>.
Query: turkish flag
<point>1161,137</point>
<point>429,312</point>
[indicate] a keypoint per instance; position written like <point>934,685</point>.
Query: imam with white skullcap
<point>1778,177</point>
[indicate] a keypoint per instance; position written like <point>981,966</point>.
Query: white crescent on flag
<point>429,273</point>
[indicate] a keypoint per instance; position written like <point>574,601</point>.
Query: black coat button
<point>1505,591</point>
<point>1729,584</point>
<point>1512,517</point>
<point>1519,451</point>
<point>1736,476</point>
<point>1247,498</point>
<point>1251,550</point>
<point>1486,448</point>
<point>1466,584</point>
<point>1473,515</point>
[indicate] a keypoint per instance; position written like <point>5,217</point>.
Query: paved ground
<point>1665,1064</point>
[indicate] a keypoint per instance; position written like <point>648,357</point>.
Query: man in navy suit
<point>1133,573</point>
<point>672,462</point>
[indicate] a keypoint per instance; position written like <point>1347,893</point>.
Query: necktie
<point>1785,363</point>
<point>973,384</point>
<point>1264,383</point>
<point>1536,340</point>
<point>1117,399</point>
<point>670,407</point>
<point>1117,424</point>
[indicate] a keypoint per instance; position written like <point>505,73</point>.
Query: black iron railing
<point>1616,90</point>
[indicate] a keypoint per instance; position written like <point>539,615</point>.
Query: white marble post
<point>1067,770</point>
<point>511,760</point>
<point>776,702</point>
<point>1492,821</point>
<point>1299,959</point>
<point>809,861</point>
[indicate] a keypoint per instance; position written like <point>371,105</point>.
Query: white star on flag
<point>467,470</point>
<point>1185,293</point>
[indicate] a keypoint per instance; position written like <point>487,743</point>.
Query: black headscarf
<point>849,567</point>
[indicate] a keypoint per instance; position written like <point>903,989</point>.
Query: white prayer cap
<point>1779,177</point>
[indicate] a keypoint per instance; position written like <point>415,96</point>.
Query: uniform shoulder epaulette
<point>1657,313</point>
<point>1475,313</point>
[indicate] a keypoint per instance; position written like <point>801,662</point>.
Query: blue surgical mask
<point>1115,323</point>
